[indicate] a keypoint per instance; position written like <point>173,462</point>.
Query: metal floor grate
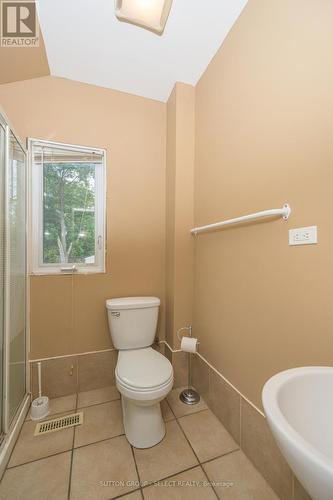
<point>56,424</point>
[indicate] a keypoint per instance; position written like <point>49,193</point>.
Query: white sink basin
<point>299,407</point>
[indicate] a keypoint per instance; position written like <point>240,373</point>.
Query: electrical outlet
<point>303,236</point>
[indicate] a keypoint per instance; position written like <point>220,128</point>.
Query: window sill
<point>56,272</point>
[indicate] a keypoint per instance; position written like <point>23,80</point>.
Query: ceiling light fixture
<point>149,14</point>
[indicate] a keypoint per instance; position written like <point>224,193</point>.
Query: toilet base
<point>143,423</point>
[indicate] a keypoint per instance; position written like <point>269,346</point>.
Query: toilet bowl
<point>144,377</point>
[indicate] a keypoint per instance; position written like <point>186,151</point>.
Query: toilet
<point>144,377</point>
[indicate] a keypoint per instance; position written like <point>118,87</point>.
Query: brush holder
<point>39,408</point>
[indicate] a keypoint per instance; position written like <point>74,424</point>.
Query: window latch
<point>99,242</point>
<point>70,269</point>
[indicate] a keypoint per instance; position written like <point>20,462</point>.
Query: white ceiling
<point>85,42</point>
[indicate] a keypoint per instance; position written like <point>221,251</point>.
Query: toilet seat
<point>146,390</point>
<point>143,370</point>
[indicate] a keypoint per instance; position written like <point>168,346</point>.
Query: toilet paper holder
<point>188,396</point>
<point>188,328</point>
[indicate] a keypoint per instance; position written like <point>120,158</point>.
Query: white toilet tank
<point>133,321</point>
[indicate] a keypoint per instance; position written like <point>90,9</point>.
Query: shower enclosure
<point>13,288</point>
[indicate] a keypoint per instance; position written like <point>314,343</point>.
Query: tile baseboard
<point>65,375</point>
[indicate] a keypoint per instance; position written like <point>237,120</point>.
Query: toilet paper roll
<point>189,344</point>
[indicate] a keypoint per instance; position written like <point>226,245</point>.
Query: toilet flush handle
<point>115,314</point>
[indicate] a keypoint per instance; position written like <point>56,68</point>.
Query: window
<point>67,208</point>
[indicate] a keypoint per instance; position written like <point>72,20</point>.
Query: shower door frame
<point>11,428</point>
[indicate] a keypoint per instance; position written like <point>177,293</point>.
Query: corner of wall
<point>179,209</point>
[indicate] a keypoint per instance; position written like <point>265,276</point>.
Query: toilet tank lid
<point>132,303</point>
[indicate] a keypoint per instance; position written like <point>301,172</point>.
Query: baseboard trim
<point>168,346</point>
<point>71,355</point>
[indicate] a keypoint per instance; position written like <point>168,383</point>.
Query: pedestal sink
<point>299,407</point>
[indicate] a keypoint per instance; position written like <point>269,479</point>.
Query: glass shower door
<point>2,247</point>
<point>15,285</point>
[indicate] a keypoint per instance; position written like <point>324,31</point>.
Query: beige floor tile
<point>238,477</point>
<point>172,455</point>
<point>97,396</point>
<point>46,478</point>
<point>166,411</point>
<point>99,422</point>
<point>208,437</point>
<point>60,405</point>
<point>172,489</point>
<point>180,409</point>
<point>29,447</point>
<point>97,465</point>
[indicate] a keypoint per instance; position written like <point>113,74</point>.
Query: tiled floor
<point>196,460</point>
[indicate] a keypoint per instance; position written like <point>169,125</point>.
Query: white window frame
<point>36,213</point>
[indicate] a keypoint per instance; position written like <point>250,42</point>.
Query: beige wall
<point>264,125</point>
<point>264,121</point>
<point>68,312</point>
<point>179,209</point>
<point>23,63</point>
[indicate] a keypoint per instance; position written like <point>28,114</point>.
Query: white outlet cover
<point>303,236</point>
